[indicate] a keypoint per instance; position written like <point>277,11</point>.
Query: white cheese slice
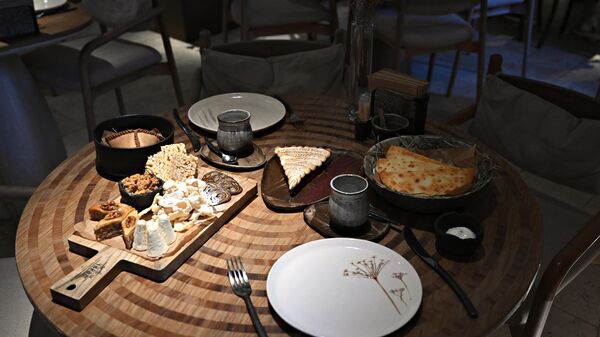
<point>157,245</point>
<point>166,229</point>
<point>140,238</point>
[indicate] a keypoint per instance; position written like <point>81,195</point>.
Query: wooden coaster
<point>317,217</point>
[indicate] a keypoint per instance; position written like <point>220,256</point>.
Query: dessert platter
<point>151,223</point>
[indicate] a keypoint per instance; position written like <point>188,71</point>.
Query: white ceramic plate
<point>44,5</point>
<point>344,287</point>
<point>265,111</point>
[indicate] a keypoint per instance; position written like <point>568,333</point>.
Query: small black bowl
<point>117,163</point>
<point>139,201</point>
<point>451,244</point>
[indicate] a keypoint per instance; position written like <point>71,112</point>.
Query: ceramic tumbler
<point>234,134</point>
<point>348,202</point>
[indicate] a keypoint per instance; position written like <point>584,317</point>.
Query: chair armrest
<point>16,192</point>
<point>118,31</point>
<point>581,250</point>
<point>461,116</point>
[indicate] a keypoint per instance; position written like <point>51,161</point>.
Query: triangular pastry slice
<point>298,161</point>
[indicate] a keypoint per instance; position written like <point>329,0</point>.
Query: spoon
<point>188,132</point>
<point>227,159</point>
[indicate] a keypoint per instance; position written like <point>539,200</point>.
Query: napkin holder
<point>17,19</point>
<point>395,93</point>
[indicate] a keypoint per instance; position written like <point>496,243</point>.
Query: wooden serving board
<point>79,287</point>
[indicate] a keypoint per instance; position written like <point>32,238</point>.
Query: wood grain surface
<point>197,300</point>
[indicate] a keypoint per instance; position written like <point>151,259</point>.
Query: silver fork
<point>241,287</point>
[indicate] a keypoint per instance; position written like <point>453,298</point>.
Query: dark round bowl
<point>451,244</point>
<point>422,203</point>
<point>139,201</point>
<point>116,164</point>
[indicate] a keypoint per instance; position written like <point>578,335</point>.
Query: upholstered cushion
<point>59,65</point>
<point>262,13</point>
<point>539,136</point>
<point>317,71</point>
<point>115,13</point>
<point>438,32</point>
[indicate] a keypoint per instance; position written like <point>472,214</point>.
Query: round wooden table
<point>197,300</point>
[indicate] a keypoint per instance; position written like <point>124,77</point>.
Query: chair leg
<point>430,67</point>
<point>88,106</point>
<point>527,35</point>
<point>547,25</point>
<point>120,102</point>
<point>170,60</point>
<point>539,14</point>
<point>225,21</point>
<point>563,27</point>
<point>453,74</point>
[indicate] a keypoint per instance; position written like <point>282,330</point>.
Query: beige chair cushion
<point>280,12</point>
<point>59,65</point>
<point>435,33</point>
<point>303,73</point>
<point>539,136</point>
<point>115,13</point>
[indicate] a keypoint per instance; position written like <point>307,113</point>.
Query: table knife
<point>416,247</point>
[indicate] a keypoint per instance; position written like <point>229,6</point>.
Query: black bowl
<point>451,244</point>
<point>422,203</point>
<point>115,163</point>
<point>139,201</point>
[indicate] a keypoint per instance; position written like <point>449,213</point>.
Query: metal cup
<point>348,202</point>
<point>234,134</point>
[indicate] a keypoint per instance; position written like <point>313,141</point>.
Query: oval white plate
<point>265,111</point>
<point>44,5</point>
<point>344,287</point>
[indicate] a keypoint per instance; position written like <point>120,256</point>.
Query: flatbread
<point>407,172</point>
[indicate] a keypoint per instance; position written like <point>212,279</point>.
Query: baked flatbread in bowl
<point>400,172</point>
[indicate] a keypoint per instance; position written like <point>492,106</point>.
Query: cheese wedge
<point>407,172</point>
<point>298,161</point>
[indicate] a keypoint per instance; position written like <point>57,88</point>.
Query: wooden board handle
<point>79,287</point>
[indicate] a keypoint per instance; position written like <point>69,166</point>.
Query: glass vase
<point>361,59</point>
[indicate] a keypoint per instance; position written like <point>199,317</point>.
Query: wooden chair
<point>546,26</point>
<point>259,49</point>
<point>431,26</point>
<point>574,102</point>
<point>266,17</point>
<point>523,8</point>
<point>96,65</point>
<point>582,249</point>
